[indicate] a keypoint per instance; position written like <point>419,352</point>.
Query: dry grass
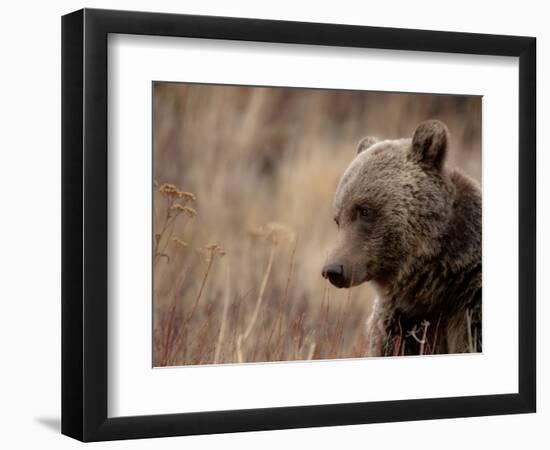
<point>238,254</point>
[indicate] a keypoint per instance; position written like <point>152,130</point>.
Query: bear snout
<point>335,274</point>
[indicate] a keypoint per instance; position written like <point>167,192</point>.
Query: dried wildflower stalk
<point>213,250</point>
<point>283,303</point>
<point>177,205</point>
<point>171,332</point>
<point>224,315</point>
<point>274,233</point>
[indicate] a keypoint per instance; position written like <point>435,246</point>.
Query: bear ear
<point>366,143</point>
<point>429,144</point>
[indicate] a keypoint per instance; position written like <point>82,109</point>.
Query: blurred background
<point>244,180</point>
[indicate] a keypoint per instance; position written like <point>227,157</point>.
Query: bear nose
<point>334,273</point>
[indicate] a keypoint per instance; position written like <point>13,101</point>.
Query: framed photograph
<point>272,224</point>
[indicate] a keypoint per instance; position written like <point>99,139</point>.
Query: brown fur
<point>413,228</point>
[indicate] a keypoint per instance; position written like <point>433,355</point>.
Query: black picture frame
<point>84,224</point>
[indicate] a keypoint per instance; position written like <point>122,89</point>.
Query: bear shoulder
<point>463,235</point>
<point>467,196</point>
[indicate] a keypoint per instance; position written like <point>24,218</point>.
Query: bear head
<point>391,207</point>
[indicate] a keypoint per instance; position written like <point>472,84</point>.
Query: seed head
<point>169,190</point>
<point>187,195</point>
<point>177,208</point>
<point>273,232</point>
<point>215,249</point>
<point>180,242</point>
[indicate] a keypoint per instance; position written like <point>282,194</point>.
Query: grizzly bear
<point>412,228</point>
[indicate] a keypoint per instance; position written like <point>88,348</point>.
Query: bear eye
<point>363,212</point>
<point>337,222</point>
